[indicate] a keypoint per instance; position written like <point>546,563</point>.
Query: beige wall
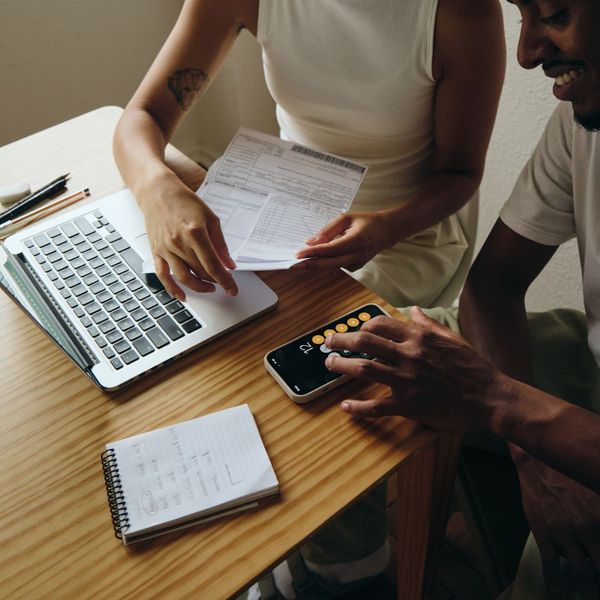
<point>60,58</point>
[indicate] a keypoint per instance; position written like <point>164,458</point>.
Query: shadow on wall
<point>66,62</point>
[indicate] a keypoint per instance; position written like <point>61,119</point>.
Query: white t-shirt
<point>557,197</point>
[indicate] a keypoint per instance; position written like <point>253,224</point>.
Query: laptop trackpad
<point>217,310</point>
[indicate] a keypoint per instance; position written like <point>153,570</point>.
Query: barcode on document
<point>328,158</point>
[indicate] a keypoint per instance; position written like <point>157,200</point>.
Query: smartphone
<point>299,365</point>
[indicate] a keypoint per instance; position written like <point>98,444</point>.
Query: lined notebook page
<point>196,467</point>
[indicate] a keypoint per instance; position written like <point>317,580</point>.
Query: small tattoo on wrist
<point>186,85</point>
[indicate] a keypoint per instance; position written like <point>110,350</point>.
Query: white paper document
<point>272,194</point>
<point>301,190</point>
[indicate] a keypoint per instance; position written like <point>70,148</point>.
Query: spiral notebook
<point>186,474</point>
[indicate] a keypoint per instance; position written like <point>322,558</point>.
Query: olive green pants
<point>563,366</point>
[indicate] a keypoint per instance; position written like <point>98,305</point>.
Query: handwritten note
<point>196,467</point>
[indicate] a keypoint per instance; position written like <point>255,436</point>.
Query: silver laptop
<point>80,277</point>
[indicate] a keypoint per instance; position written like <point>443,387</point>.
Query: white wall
<point>62,58</point>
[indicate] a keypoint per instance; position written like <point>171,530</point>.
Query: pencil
<point>44,211</point>
<point>34,198</point>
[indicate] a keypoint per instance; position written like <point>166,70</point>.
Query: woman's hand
<point>349,241</point>
<point>186,239</point>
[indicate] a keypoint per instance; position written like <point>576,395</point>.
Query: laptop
<point>79,275</point>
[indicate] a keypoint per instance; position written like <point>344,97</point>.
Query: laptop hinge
<point>53,318</point>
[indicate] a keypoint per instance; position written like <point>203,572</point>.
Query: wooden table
<point>56,538</point>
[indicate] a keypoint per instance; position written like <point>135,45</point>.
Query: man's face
<point>564,37</point>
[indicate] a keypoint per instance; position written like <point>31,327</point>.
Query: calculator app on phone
<point>299,365</point>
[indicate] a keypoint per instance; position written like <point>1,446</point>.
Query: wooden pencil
<point>43,211</point>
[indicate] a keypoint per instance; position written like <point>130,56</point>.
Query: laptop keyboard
<point>100,276</point>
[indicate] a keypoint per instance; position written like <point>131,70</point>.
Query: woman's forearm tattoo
<point>186,85</point>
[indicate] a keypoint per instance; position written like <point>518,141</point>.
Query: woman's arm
<point>469,60</point>
<point>185,235</point>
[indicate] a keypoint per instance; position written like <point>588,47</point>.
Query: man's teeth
<point>567,77</point>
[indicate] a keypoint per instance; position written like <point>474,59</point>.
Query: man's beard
<point>589,121</point>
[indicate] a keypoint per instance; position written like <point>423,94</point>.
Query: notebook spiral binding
<point>114,491</point>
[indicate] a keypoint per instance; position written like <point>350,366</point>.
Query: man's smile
<point>567,78</point>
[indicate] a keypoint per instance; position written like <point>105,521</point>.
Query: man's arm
<point>492,306</point>
<point>547,436</point>
<point>561,435</point>
<point>436,377</point>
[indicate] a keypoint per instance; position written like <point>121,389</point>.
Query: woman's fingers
<point>335,227</point>
<point>338,247</point>
<point>163,272</point>
<point>202,247</point>
<point>175,271</point>
<point>188,238</point>
<point>220,245</point>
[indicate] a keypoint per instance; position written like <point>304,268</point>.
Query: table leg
<point>423,494</point>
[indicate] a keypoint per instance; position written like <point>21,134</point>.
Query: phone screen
<point>301,362</point>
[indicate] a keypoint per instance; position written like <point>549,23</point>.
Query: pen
<point>34,198</point>
<point>44,211</point>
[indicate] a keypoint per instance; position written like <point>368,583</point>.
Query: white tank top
<point>354,77</point>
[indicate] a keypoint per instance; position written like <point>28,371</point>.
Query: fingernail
<point>345,405</point>
<point>328,362</point>
<point>231,291</point>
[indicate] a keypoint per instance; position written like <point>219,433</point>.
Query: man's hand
<point>435,376</point>
<point>186,240</point>
<point>349,241</point>
<point>564,517</point>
